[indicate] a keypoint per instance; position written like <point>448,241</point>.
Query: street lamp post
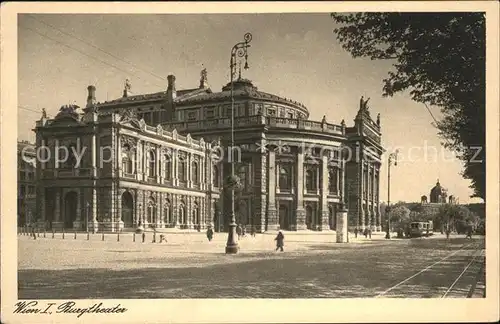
<point>393,157</point>
<point>238,51</point>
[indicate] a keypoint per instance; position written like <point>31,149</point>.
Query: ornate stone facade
<point>26,184</point>
<point>161,160</point>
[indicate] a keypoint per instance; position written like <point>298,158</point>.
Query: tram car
<point>419,229</point>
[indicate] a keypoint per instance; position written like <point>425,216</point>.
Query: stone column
<point>377,200</point>
<point>361,214</point>
<point>94,225</point>
<point>211,212</point>
<point>77,223</point>
<point>367,195</point>
<point>175,167</point>
<point>342,188</point>
<point>324,224</point>
<point>175,211</point>
<point>341,228</point>
<point>57,209</point>
<point>372,200</point>
<point>157,164</point>
<point>189,221</point>
<point>277,175</point>
<point>119,155</point>
<point>300,213</point>
<point>272,219</point>
<point>189,170</point>
<point>138,160</point>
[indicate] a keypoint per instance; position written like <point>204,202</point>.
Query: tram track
<point>420,284</point>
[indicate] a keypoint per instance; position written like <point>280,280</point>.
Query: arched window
<point>215,175</point>
<point>152,164</point>
<point>333,180</point>
<point>151,211</point>
<point>196,214</point>
<point>182,168</point>
<point>243,175</point>
<point>70,162</point>
<point>127,159</point>
<point>285,180</point>
<point>168,167</point>
<point>167,213</point>
<point>182,214</point>
<point>195,176</point>
<point>311,179</point>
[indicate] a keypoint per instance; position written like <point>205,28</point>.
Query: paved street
<point>188,266</point>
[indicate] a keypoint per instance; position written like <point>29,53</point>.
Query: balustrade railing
<point>276,122</point>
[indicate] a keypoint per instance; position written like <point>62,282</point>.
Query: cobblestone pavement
<point>188,266</point>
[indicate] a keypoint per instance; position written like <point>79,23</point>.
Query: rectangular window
<point>242,111</point>
<point>290,115</point>
<point>22,175</point>
<point>210,114</point>
<point>192,115</point>
<point>271,112</point>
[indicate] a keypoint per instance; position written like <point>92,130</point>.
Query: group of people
<point>240,231</point>
<point>367,232</point>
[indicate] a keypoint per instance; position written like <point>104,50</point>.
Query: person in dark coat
<point>280,238</point>
<point>370,233</point>
<point>252,231</point>
<point>238,231</point>
<point>469,232</point>
<point>355,232</point>
<point>365,232</point>
<point>210,234</point>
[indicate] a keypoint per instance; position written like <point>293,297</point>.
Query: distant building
<point>26,184</point>
<point>438,197</point>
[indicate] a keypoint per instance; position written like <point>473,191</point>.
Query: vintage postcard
<point>249,162</point>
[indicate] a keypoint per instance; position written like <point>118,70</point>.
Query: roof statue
<point>363,104</point>
<point>126,88</point>
<point>203,78</point>
<point>378,119</point>
<point>44,113</point>
<point>128,85</point>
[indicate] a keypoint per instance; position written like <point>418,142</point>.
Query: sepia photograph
<point>305,155</point>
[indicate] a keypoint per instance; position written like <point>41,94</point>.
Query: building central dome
<point>239,84</point>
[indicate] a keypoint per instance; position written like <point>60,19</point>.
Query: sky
<point>292,55</point>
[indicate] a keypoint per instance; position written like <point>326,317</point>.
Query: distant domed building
<point>438,194</point>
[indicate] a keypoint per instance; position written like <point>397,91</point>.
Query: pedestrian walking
<point>365,232</point>
<point>252,231</point>
<point>355,232</point>
<point>370,233</point>
<point>243,231</point>
<point>469,233</point>
<point>163,238</point>
<point>447,233</point>
<point>210,233</point>
<point>280,238</point>
<point>238,231</point>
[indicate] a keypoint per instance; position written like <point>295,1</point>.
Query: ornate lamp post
<point>238,51</point>
<point>393,157</point>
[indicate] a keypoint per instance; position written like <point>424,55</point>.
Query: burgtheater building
<point>162,160</point>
